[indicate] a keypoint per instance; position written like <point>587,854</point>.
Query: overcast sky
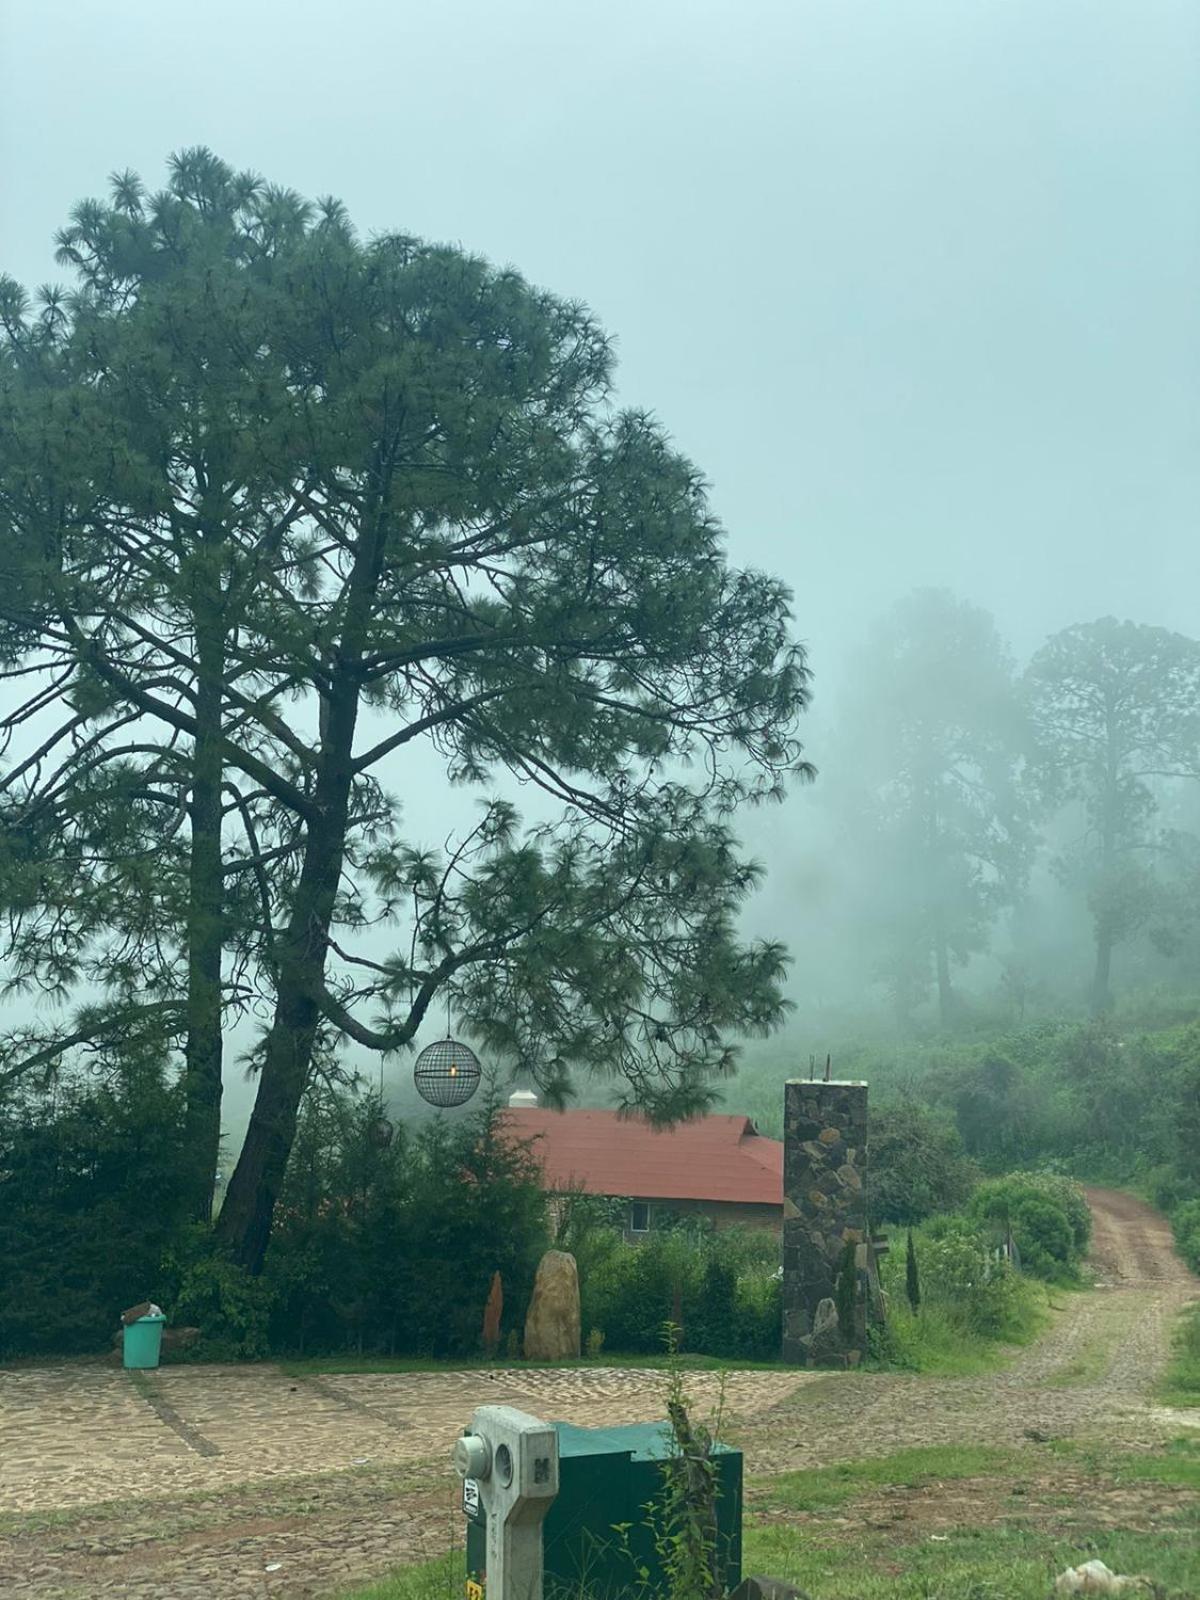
<point>917,284</point>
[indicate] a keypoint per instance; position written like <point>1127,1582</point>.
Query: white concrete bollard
<point>513,1459</point>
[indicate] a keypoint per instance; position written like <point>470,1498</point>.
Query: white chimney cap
<point>522,1099</point>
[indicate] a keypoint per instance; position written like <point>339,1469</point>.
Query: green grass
<point>1090,1362</point>
<point>1004,1563</point>
<point>1179,1467</point>
<point>818,1488</point>
<point>987,1563</point>
<point>429,1580</point>
<point>1181,1386</point>
<point>937,1342</point>
<point>1176,1466</point>
<point>932,1342</point>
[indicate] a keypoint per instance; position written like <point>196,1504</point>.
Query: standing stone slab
<point>493,1312</point>
<point>824,1203</point>
<point>552,1326</point>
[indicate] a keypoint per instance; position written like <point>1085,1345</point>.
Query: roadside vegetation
<point>1181,1387</point>
<point>1114,1100</point>
<point>383,1252</point>
<point>956,1296</point>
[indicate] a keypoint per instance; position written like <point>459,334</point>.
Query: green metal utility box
<point>596,1533</point>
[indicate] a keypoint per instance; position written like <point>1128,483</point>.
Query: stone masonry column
<point>824,1200</point>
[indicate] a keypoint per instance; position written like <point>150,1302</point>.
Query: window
<point>639,1216</point>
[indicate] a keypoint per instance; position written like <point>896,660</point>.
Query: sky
<point>915,282</point>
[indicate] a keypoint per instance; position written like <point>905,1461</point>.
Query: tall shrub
<point>89,1203</point>
<point>391,1246</point>
<point>1046,1214</point>
<point>918,1165</point>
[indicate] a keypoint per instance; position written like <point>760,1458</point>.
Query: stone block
<point>766,1589</point>
<point>552,1325</point>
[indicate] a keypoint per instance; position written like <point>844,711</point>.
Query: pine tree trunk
<point>1105,939</point>
<point>1102,975</point>
<point>945,991</point>
<point>941,950</point>
<point>244,1224</point>
<point>203,1050</point>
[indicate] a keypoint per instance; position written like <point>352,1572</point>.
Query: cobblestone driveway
<point>79,1435</point>
<point>237,1483</point>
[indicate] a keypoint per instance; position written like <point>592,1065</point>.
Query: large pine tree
<point>279,506</point>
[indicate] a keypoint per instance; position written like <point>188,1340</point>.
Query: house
<point>719,1167</point>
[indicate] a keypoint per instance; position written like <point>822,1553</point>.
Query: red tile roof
<point>599,1152</point>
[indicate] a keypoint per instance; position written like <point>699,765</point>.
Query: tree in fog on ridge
<point>1115,714</point>
<point>926,782</point>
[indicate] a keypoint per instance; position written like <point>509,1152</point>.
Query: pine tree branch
<point>341,1018</point>
<point>278,787</point>
<point>90,1033</point>
<point>426,724</point>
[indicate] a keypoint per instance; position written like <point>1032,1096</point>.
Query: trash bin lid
<point>144,1311</point>
<point>640,1441</point>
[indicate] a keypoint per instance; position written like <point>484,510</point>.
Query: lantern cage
<point>446,1073</point>
<point>381,1133</point>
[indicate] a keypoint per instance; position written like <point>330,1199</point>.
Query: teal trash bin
<point>143,1341</point>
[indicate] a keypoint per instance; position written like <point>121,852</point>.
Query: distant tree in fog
<point>1115,715</point>
<point>927,775</point>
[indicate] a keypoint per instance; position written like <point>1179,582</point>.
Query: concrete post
<point>512,1458</point>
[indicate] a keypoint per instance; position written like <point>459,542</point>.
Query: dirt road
<point>1090,1377</point>
<point>246,1482</point>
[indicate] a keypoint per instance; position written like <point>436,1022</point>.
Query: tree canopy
<point>1115,708</point>
<point>928,788</point>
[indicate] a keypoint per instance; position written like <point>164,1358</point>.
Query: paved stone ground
<point>83,1434</point>
<point>229,1482</point>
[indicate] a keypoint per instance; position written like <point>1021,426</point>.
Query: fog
<point>915,284</point>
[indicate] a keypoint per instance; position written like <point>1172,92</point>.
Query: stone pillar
<point>824,1202</point>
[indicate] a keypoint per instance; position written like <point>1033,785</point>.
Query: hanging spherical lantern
<point>380,1132</point>
<point>446,1073</point>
